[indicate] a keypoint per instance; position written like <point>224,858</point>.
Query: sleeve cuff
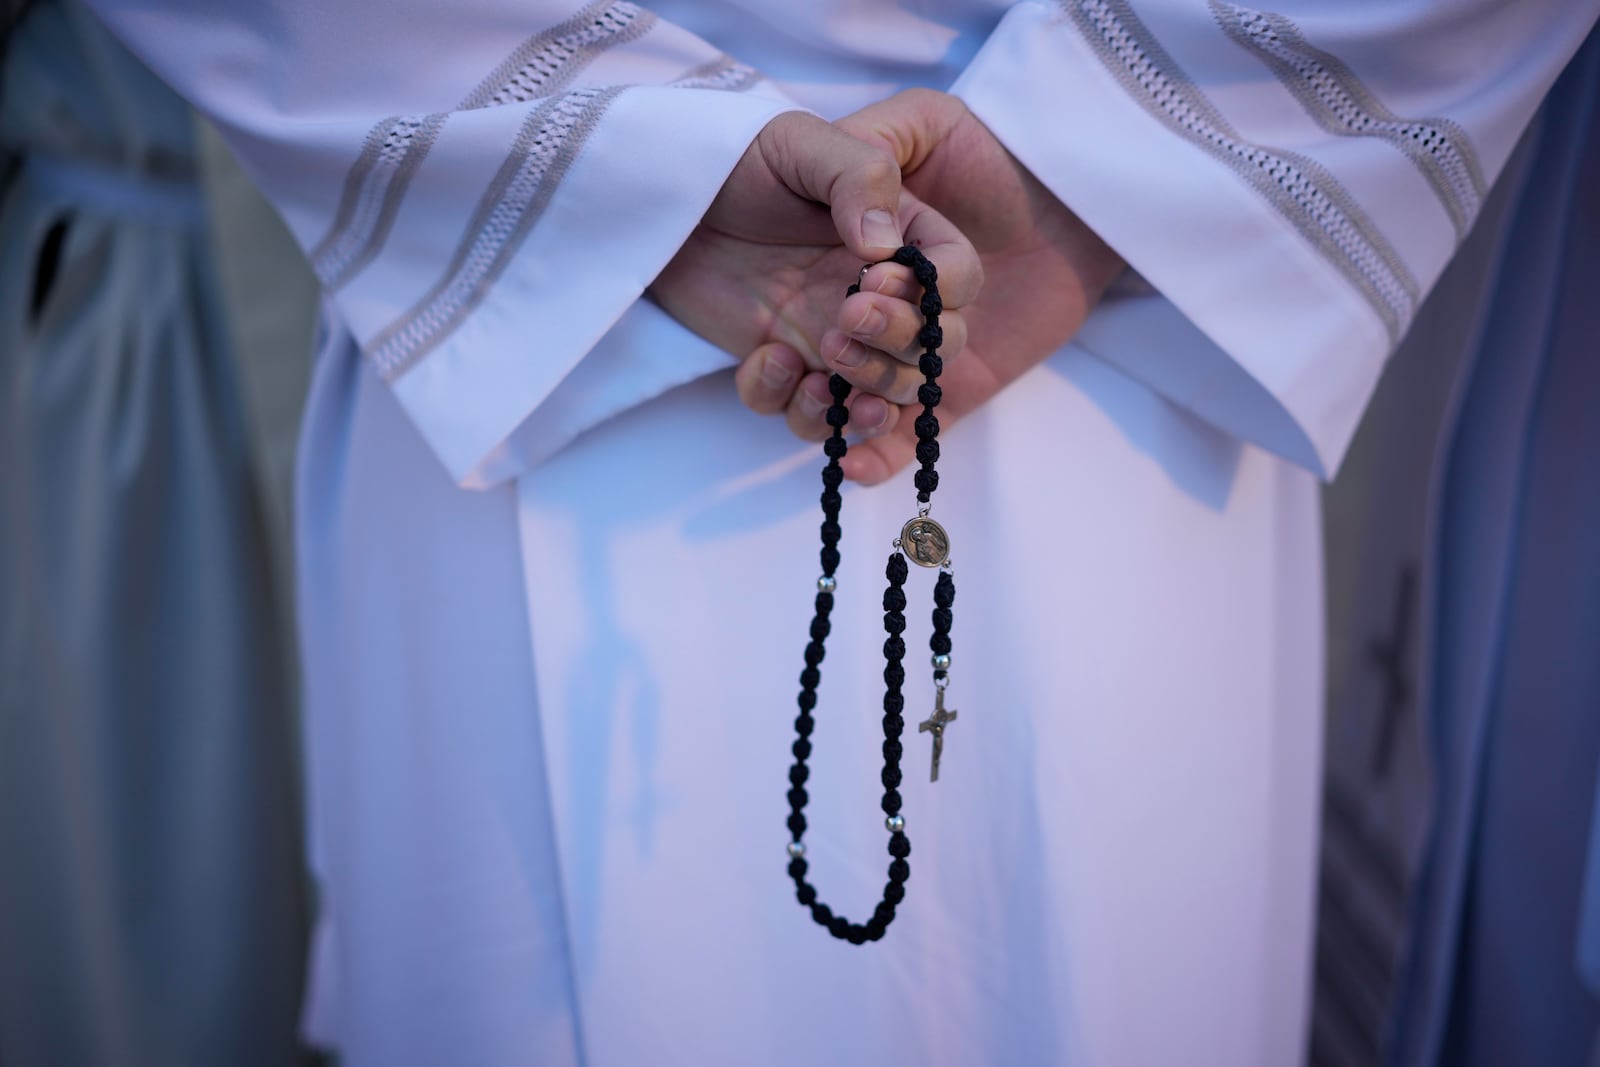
<point>1250,327</point>
<point>629,200</point>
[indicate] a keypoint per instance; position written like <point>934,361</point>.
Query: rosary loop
<point>923,542</point>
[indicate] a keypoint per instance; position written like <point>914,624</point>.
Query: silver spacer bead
<point>826,584</point>
<point>941,662</point>
<point>895,823</point>
<point>797,849</point>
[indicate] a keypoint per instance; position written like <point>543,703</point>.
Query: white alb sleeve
<point>486,187</point>
<point>1291,184</point>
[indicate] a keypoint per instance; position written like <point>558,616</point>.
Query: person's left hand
<point>764,274</point>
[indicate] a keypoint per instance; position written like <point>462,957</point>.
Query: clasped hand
<point>763,273</point>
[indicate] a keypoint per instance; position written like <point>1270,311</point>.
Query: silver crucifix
<point>935,725</point>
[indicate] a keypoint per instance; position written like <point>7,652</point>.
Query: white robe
<point>549,722</point>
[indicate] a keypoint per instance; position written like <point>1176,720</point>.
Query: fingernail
<point>869,415</point>
<point>879,228</point>
<point>810,405</point>
<point>851,355</point>
<point>871,324</point>
<point>776,375</point>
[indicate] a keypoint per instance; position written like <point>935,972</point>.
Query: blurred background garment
<point>152,906</point>
<point>1457,910</point>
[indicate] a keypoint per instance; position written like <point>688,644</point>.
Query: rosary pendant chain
<point>923,542</point>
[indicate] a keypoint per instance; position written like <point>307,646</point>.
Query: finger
<point>886,455</point>
<point>859,182</point>
<point>766,380</point>
<point>898,329</point>
<point>960,268</point>
<point>807,411</point>
<point>870,371</point>
<point>870,416</point>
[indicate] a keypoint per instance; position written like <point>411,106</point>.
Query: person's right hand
<point>764,274</point>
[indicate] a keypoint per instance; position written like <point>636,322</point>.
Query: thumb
<point>858,181</point>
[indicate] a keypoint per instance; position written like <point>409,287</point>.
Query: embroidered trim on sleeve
<point>724,74</point>
<point>546,145</point>
<point>1310,198</point>
<point>541,66</point>
<point>1338,101</point>
<point>549,140</point>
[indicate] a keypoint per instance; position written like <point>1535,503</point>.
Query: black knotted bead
<point>940,644</point>
<point>801,749</point>
<point>929,394</point>
<point>899,871</point>
<point>926,480</point>
<point>804,724</point>
<point>799,773</point>
<point>891,802</point>
<point>930,336</point>
<point>824,603</point>
<point>894,599</point>
<point>810,677</point>
<point>806,894</point>
<point>942,619</point>
<point>896,569</point>
<point>894,648</point>
<point>899,846</point>
<point>838,386</point>
<point>892,751</point>
<point>894,703</point>
<point>894,622</point>
<point>822,913</point>
<point>830,559</point>
<point>834,447</point>
<point>797,824</point>
<point>832,476</point>
<point>895,893</point>
<point>807,699</point>
<point>930,365</point>
<point>831,500</point>
<point>930,305</point>
<point>820,628</point>
<point>927,425</point>
<point>838,415</point>
<point>797,868</point>
<point>798,798</point>
<point>927,451</point>
<point>944,590</point>
<point>839,927</point>
<point>831,533</point>
<point>894,675</point>
<point>814,653</point>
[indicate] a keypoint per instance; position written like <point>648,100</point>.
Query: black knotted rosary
<point>925,543</point>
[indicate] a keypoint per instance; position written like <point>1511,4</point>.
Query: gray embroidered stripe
<point>372,194</point>
<point>1338,101</point>
<point>546,145</point>
<point>541,66</point>
<point>724,73</point>
<point>1310,198</point>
